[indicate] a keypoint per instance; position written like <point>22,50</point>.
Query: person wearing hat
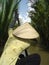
<point>16,43</point>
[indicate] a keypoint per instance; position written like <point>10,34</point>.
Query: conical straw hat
<point>26,31</point>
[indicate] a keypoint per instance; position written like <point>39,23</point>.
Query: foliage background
<point>40,20</point>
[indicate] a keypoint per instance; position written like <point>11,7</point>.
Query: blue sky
<point>23,8</point>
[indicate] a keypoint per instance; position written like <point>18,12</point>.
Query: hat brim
<point>26,31</point>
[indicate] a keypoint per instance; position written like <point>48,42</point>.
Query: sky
<point>23,9</point>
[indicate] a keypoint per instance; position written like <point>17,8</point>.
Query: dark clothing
<point>33,59</point>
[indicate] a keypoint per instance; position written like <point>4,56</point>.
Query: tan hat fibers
<point>26,31</point>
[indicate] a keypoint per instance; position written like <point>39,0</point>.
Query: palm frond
<point>6,16</point>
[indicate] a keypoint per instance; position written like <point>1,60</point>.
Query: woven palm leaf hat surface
<point>26,31</point>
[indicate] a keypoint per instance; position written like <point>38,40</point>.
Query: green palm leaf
<point>6,16</point>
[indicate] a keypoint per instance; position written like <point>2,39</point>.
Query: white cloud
<point>23,20</point>
<point>28,19</point>
<point>20,16</point>
<point>20,19</point>
<point>29,4</point>
<point>31,9</point>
